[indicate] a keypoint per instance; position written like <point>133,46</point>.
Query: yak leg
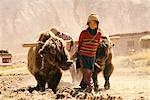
<point>107,72</point>
<point>54,79</point>
<point>94,77</point>
<point>40,82</point>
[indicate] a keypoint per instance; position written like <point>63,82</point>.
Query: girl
<point>88,43</point>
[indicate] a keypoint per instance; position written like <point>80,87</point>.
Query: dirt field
<point>128,82</point>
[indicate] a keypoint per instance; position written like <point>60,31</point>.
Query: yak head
<point>103,51</point>
<point>55,52</point>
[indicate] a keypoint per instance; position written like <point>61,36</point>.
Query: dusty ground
<point>127,83</point>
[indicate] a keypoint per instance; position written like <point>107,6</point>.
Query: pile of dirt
<point>15,87</point>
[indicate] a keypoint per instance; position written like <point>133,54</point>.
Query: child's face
<point>93,24</point>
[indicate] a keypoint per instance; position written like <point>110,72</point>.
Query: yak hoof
<point>107,85</point>
<point>39,88</point>
<point>42,89</point>
<point>96,88</point>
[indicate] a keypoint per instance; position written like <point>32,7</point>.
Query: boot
<point>83,85</point>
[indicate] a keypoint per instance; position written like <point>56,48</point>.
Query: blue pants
<point>85,62</point>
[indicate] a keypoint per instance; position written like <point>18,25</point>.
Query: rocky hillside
<point>22,20</point>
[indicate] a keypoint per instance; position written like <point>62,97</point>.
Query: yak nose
<point>69,62</point>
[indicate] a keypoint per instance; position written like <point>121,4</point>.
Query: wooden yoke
<point>30,44</point>
<point>33,44</point>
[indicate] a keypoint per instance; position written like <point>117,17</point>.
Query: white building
<point>5,58</point>
<point>129,43</point>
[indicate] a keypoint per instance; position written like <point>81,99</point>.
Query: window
<point>130,44</point>
<point>6,60</point>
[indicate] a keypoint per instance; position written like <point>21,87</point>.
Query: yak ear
<point>41,37</point>
<point>112,45</point>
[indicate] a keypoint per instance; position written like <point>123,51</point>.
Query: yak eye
<point>45,48</point>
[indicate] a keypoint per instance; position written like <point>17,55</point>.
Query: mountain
<point>22,20</point>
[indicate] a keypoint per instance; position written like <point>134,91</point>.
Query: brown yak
<point>103,62</point>
<point>46,60</point>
